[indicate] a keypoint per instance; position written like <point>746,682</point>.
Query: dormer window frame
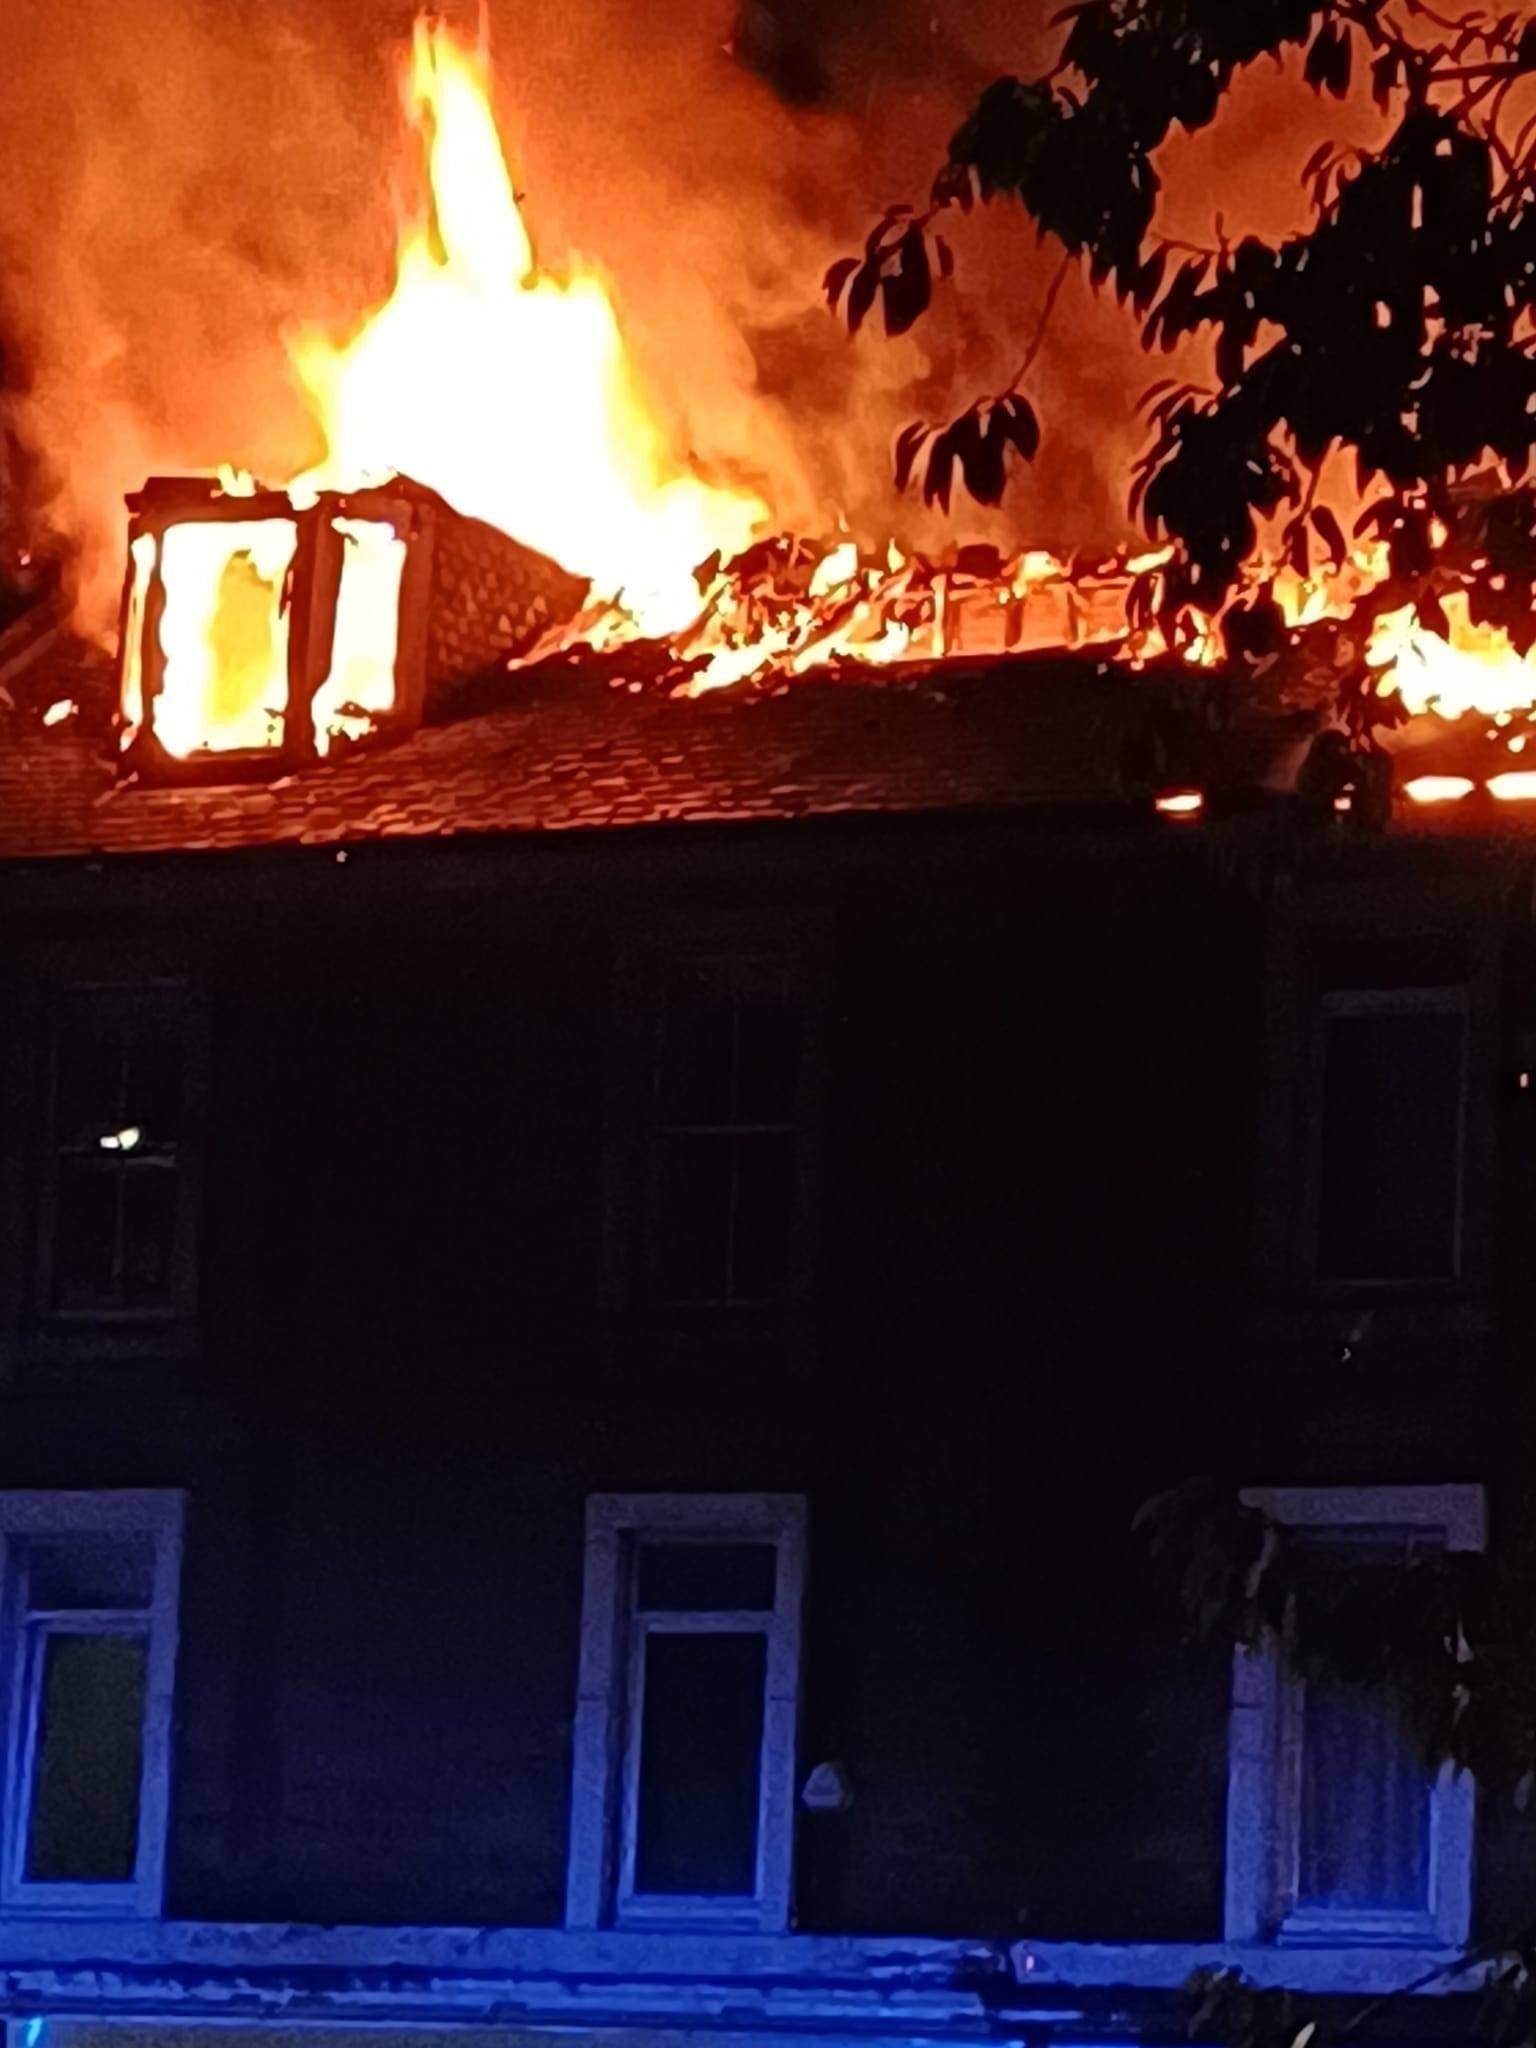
<point>310,597</point>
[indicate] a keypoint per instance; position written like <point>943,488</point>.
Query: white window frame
<point>606,1759</point>
<point>1264,1754</point>
<point>157,1514</point>
<point>1454,999</point>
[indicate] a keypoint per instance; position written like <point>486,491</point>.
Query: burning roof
<point>510,641</point>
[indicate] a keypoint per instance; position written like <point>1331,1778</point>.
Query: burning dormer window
<point>264,630</point>
<point>116,1215</point>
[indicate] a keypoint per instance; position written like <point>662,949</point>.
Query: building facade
<point>575,1399</point>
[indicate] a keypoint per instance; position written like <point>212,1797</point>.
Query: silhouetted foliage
<point>1398,328</point>
<point>1448,1631</point>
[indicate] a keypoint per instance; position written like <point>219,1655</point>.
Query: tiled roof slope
<point>585,755</point>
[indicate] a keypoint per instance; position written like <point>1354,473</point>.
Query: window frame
<point>795,945</point>
<point>606,1738</point>
<point>186,1013</point>
<point>1452,999</point>
<point>156,1513</point>
<point>1264,1756</point>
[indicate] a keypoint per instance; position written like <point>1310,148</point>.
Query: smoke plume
<point>192,181</point>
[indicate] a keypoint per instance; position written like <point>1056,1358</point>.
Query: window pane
<point>85,1234</point>
<point>693,1219</point>
<point>698,1054</point>
<point>767,1059</point>
<point>156,1080</point>
<point>730,1045</point>
<point>149,1234</point>
<point>704,1577</point>
<point>1391,1147</point>
<point>1365,1802</point>
<point>89,1097</point>
<point>700,1765</point>
<point>89,1571</point>
<point>763,1237</point>
<point>84,1824</point>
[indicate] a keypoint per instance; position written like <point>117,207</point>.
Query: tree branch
<point>1042,325</point>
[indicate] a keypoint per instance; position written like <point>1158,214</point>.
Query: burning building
<point>629,1144</point>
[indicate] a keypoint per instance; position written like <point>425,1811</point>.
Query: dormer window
<point>263,629</point>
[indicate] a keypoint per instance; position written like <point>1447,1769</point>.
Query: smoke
<point>189,182</point>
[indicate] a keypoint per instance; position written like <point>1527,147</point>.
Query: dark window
<point>727,1159</point>
<point>1366,1804</point>
<point>1390,1170</point>
<point>83,1827</point>
<point>115,1216</point>
<point>701,1742</point>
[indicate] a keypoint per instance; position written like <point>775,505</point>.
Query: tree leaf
<point>938,477</point>
<point>1431,614</point>
<point>981,451</point>
<point>1315,162</point>
<point>906,292</point>
<point>1020,425</point>
<point>861,294</point>
<point>954,185</point>
<point>1320,68</point>
<point>1331,534</point>
<point>837,277</point>
<point>909,443</point>
<point>1149,281</point>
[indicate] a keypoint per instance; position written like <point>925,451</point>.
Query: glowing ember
<point>508,390</point>
<point>1476,669</point>
<point>1437,789</point>
<point>1181,803</point>
<point>1517,786</point>
<point>57,713</point>
<point>1331,594</point>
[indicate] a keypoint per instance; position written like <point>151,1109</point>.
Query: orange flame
<point>224,633</point>
<point>508,390</point>
<point>1477,668</point>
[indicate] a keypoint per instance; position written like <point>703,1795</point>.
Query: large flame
<point>1469,668</point>
<point>509,390</point>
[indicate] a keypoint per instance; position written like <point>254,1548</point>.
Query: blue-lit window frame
<point>600,1872</point>
<point>156,1513</point>
<point>1263,1783</point>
